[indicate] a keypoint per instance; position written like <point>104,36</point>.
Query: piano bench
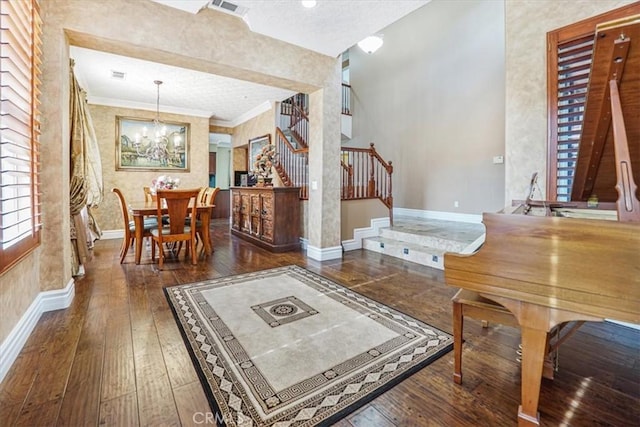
<point>471,304</point>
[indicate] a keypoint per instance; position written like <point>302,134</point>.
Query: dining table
<point>149,208</point>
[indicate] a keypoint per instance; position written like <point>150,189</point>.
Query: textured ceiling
<point>331,28</point>
<point>183,91</point>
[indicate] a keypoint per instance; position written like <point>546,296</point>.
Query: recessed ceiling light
<point>309,3</point>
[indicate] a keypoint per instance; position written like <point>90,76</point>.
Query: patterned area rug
<point>287,347</point>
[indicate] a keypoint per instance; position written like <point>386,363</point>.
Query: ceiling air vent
<point>118,75</point>
<point>228,7</point>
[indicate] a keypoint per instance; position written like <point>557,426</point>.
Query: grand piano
<point>551,269</point>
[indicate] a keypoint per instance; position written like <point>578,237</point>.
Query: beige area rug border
<point>323,400</point>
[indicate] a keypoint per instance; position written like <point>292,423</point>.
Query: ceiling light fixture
<point>309,3</point>
<point>156,148</point>
<point>370,44</point>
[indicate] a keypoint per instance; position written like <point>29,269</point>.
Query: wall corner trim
<point>361,233</point>
<point>45,301</point>
<point>324,254</point>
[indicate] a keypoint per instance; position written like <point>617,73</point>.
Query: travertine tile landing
<point>424,241</point>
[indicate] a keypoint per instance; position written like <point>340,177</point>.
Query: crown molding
<point>262,108</point>
<point>111,102</point>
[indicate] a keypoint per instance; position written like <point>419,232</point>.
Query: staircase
<point>364,175</point>
<point>424,241</point>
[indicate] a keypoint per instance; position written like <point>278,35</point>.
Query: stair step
<point>444,243</point>
<point>425,241</point>
<point>420,254</point>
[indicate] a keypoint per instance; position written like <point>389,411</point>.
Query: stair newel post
<point>371,191</point>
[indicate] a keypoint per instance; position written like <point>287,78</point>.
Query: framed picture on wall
<point>255,148</point>
<point>141,144</point>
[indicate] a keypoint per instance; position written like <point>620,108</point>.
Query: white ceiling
<point>331,28</point>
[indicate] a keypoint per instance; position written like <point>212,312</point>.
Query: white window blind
<point>574,64</point>
<point>20,53</point>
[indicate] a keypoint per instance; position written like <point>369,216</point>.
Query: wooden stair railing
<point>366,175</point>
<point>296,108</point>
<point>346,189</point>
<point>292,164</point>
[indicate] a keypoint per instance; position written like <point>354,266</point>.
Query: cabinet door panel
<point>255,226</point>
<point>255,205</point>
<point>245,209</point>
<point>267,230</point>
<point>236,221</point>
<point>267,206</point>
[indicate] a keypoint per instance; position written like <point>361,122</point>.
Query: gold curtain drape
<point>86,186</point>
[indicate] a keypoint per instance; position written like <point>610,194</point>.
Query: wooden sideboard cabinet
<point>267,216</point>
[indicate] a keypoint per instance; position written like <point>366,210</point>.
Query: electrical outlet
<point>405,251</point>
<point>382,245</point>
<point>456,204</point>
<point>434,258</point>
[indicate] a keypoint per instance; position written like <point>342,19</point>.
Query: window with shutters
<point>569,51</point>
<point>20,56</point>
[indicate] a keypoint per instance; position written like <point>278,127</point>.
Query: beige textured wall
<point>108,214</point>
<point>358,214</point>
<point>263,124</point>
<point>238,160</point>
<point>18,288</point>
<point>208,41</point>
<point>432,101</point>
<point>324,167</point>
<point>527,23</point>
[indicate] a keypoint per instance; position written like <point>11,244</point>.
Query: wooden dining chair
<point>179,208</point>
<point>208,198</point>
<point>130,227</point>
<point>148,197</point>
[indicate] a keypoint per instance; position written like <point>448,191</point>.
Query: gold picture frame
<point>138,148</point>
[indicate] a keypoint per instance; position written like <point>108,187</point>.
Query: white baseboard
<point>361,233</point>
<point>45,301</point>
<point>304,243</point>
<point>446,216</point>
<point>112,234</point>
<point>324,254</point>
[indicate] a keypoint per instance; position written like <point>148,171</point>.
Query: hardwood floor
<point>116,357</point>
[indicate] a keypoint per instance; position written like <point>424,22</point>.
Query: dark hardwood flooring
<point>116,357</point>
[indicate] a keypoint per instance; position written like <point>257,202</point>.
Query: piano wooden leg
<point>534,344</point>
<point>458,325</point>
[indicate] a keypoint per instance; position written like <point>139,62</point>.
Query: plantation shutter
<point>20,53</point>
<point>574,64</point>
<point>569,52</point>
